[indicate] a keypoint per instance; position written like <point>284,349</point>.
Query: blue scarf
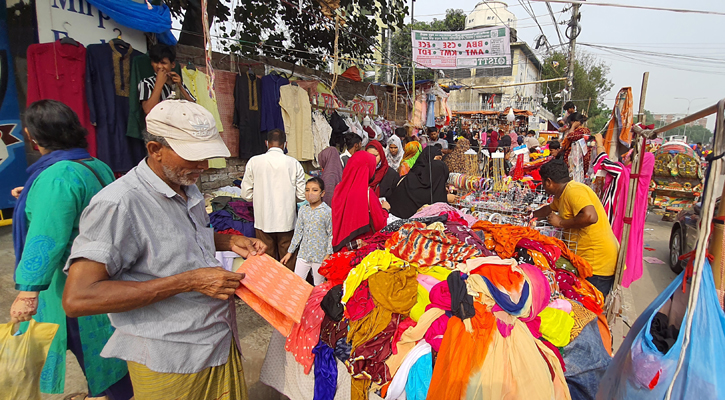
<point>20,221</point>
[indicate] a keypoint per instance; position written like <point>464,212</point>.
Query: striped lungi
<point>225,382</point>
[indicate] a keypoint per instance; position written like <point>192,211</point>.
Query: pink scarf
<point>635,243</point>
<point>306,334</point>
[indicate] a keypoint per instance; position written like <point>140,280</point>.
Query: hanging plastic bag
<point>22,358</point>
<point>640,371</point>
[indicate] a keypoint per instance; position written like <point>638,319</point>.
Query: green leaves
<point>279,29</point>
<point>591,83</point>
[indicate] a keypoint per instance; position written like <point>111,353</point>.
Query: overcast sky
<point>695,35</point>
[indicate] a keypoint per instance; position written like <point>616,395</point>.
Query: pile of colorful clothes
<point>441,307</point>
<point>231,216</point>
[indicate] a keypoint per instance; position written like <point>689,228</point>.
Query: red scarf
<point>352,198</point>
<point>380,171</point>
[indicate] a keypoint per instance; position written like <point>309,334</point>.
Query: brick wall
<point>213,178</point>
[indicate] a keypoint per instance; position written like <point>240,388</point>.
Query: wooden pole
<point>637,157</point>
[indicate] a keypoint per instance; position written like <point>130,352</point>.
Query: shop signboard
<point>12,147</point>
<point>83,22</point>
<point>476,48</point>
<point>364,107</point>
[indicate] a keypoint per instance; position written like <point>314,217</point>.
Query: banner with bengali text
<point>476,48</point>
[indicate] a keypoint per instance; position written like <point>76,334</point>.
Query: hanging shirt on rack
<point>247,115</point>
<point>430,112</point>
<point>271,109</point>
<point>107,88</point>
<point>196,82</point>
<point>321,133</point>
<point>297,116</point>
<point>58,72</point>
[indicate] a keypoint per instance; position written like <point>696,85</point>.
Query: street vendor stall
<point>677,181</point>
<point>484,119</point>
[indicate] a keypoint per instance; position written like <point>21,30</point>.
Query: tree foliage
<point>283,30</point>
<point>589,87</point>
<point>455,20</point>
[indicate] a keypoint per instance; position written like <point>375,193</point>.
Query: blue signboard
<point>12,147</point>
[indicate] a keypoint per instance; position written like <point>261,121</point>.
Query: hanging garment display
<point>196,81</point>
<point>58,72</point>
<point>297,116</point>
<point>614,195</point>
<point>430,111</point>
<point>247,115</point>
<point>271,117</point>
<point>619,127</point>
<point>321,133</point>
<point>108,76</point>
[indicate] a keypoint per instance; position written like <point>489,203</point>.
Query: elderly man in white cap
<point>145,256</point>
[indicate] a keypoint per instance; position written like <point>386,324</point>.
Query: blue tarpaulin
<point>138,16</point>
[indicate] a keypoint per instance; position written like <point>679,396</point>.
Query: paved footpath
<point>254,332</point>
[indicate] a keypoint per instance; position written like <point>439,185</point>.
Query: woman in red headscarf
<point>385,178</point>
<point>356,210</point>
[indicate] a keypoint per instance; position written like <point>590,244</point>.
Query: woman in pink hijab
<point>614,199</point>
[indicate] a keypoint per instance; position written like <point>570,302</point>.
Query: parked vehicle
<point>683,236</point>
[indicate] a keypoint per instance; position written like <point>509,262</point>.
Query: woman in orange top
<point>412,151</point>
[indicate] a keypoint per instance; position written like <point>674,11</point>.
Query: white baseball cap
<point>189,129</point>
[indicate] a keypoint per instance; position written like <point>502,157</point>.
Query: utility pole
<point>389,74</point>
<point>412,21</point>
<point>572,34</point>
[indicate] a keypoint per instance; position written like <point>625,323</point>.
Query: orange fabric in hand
<point>273,291</point>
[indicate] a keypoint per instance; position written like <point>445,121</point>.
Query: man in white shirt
<point>435,138</point>
<point>274,182</point>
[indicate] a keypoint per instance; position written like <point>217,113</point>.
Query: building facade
<point>670,118</point>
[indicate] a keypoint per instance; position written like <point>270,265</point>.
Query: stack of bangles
<point>464,181</point>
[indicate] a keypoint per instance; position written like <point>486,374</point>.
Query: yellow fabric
<point>196,82</point>
<point>297,116</point>
<point>556,326</point>
<point>514,369</point>
<point>437,226</point>
<point>378,260</point>
<point>440,273</point>
<point>218,163</point>
<point>22,358</point>
<point>595,243</point>
<point>410,337</point>
<point>421,303</point>
<point>225,382</point>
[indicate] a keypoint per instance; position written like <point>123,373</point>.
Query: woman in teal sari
<point>45,223</point>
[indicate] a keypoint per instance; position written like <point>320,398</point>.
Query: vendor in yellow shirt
<point>580,211</point>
